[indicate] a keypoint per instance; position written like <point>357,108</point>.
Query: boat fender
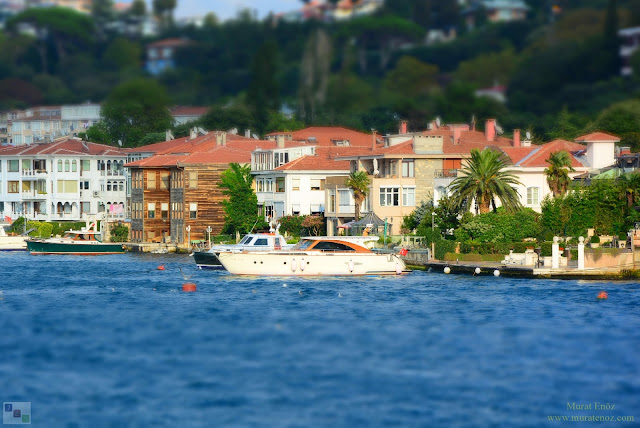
<point>294,265</point>
<point>398,268</point>
<point>302,264</point>
<point>351,265</point>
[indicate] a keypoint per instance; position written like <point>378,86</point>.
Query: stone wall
<point>425,170</point>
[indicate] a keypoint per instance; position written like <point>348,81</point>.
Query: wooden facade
<point>165,200</point>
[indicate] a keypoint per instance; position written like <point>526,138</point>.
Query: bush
<point>545,249</point>
<point>119,232</point>
<point>443,247</point>
<point>595,239</point>
<point>291,224</point>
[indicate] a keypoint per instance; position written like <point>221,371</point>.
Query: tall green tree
<point>557,172</point>
<point>134,109</point>
<point>241,207</point>
<point>358,182</point>
<point>263,94</point>
<point>163,10</point>
<point>484,179</point>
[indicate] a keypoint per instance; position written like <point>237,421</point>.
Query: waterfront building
<point>291,177</point>
<point>68,179</point>
<point>175,193</point>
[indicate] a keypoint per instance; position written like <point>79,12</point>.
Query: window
<point>193,210</point>
<point>408,168</point>
<point>408,196</point>
<point>84,185</point>
<point>193,179</point>
<point>151,210</point>
<point>317,184</point>
<point>332,246</point>
<point>67,186</point>
<point>533,195</point>
<point>151,180</point>
<point>344,199</point>
<point>13,187</point>
<point>67,166</point>
<point>295,183</point>
<point>389,196</point>
<point>108,186</point>
<point>59,165</point>
<point>74,166</point>
<point>332,201</point>
<point>164,210</point>
<point>85,165</point>
<point>261,241</point>
<point>164,180</point>
<point>26,164</point>
<point>280,184</point>
<point>268,211</point>
<point>13,165</point>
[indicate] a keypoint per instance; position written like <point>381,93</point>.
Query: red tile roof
<point>323,160</point>
<point>326,135</point>
<point>538,155</point>
<point>169,43</point>
<point>69,147</point>
<point>189,111</point>
<point>597,137</point>
<point>203,149</point>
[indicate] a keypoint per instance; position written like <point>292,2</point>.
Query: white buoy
<point>294,265</point>
<point>496,272</point>
<point>447,269</point>
<point>302,264</point>
<point>350,265</point>
<point>477,271</point>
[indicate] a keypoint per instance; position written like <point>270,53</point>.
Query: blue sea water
<point>112,341</point>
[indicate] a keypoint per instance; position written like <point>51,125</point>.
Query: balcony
<point>446,173</point>
<point>37,174</point>
<point>34,195</point>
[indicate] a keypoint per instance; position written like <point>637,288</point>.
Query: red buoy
<point>603,295</point>
<point>161,267</point>
<point>188,287</point>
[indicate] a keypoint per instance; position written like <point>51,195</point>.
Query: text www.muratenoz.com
<point>590,418</point>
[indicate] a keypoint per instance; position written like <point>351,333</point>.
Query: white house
<point>63,180</point>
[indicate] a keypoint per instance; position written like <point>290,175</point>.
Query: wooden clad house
<point>175,193</point>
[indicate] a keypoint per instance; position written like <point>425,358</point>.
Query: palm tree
<point>485,179</point>
<point>629,187</point>
<point>558,172</point>
<point>358,181</point>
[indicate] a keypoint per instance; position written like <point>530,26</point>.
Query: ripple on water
<point>111,338</point>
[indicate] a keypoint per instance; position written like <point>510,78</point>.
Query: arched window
<point>108,186</point>
<point>59,165</point>
<point>109,168</point>
<point>74,166</point>
<point>66,166</point>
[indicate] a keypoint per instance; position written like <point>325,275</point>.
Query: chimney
<point>457,131</point>
<point>373,140</point>
<point>247,133</point>
<point>280,141</point>
<point>490,130</point>
<point>168,136</point>
<point>218,139</point>
<point>403,127</point>
<point>516,138</point>
<point>224,138</point>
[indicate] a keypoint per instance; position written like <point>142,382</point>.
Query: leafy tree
<point>122,53</point>
<point>484,179</point>
<point>314,78</point>
<point>98,133</point>
<point>134,109</point>
<point>313,223</point>
<point>163,10</point>
<point>152,137</point>
<point>557,172</point>
<point>278,122</point>
<point>240,208</point>
<point>291,224</point>
<point>358,182</point>
<point>488,69</point>
<point>629,185</point>
<point>119,232</point>
<point>138,9</point>
<point>566,127</point>
<point>412,78</point>
<point>263,94</point>
<point>224,118</point>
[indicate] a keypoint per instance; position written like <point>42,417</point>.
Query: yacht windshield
<point>246,240</point>
<point>303,245</point>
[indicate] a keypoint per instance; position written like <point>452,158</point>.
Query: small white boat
<point>251,242</point>
<point>316,256</point>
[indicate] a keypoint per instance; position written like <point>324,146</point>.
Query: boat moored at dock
<point>316,256</point>
<point>78,242</point>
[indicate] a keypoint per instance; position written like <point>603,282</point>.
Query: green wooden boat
<point>80,242</point>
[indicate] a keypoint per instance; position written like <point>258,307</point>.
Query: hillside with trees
<point>560,67</point>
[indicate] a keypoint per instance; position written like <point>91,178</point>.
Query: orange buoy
<point>603,295</point>
<point>188,287</point>
<point>161,267</point>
